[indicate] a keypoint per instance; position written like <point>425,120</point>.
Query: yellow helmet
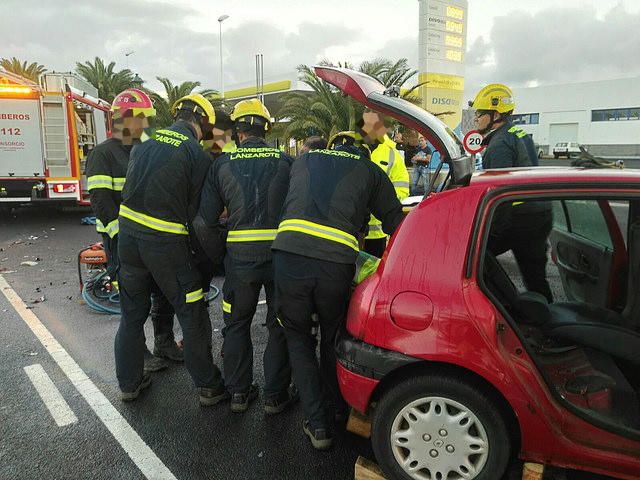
<point>202,107</point>
<point>496,97</point>
<point>343,138</point>
<point>247,111</point>
<point>347,138</point>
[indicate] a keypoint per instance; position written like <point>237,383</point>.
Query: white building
<point>602,115</point>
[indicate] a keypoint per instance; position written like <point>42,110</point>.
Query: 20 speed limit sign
<point>473,142</point>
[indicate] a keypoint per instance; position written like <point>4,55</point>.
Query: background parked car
<point>566,149</point>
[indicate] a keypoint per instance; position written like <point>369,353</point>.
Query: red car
<point>458,366</point>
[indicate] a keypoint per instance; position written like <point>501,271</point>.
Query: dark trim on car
<point>368,360</point>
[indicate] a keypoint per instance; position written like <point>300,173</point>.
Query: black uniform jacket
<point>251,182</point>
<point>504,150</point>
<point>331,194</point>
<point>164,181</point>
<point>106,171</point>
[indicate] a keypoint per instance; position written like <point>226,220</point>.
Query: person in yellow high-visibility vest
<point>384,154</point>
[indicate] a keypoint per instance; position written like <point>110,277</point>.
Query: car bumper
<point>361,366</point>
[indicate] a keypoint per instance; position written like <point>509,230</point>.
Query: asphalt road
<point>191,442</point>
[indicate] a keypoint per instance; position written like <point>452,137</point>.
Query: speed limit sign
<point>473,142</point>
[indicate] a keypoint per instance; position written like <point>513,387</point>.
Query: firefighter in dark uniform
<point>251,183</point>
<point>106,172</point>
<point>331,195</point>
<point>159,200</point>
<point>522,227</point>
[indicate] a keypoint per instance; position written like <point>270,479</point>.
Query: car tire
<point>556,156</point>
<point>439,421</point>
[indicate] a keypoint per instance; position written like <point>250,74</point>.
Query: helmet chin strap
<point>489,128</point>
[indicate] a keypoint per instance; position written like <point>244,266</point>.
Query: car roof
<point>555,175</point>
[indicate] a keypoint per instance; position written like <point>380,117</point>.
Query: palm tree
<point>104,77</point>
<point>163,103</point>
<point>32,70</point>
<point>325,111</point>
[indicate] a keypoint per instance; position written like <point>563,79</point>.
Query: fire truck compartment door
<point>20,138</point>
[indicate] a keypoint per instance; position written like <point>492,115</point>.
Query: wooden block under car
<point>367,470</point>
<point>532,471</point>
<point>359,424</point>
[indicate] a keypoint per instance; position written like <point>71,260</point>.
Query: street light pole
<point>221,19</point>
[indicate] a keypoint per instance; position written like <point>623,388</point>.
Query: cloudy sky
<point>524,42</point>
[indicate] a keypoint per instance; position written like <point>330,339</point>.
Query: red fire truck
<point>46,132</point>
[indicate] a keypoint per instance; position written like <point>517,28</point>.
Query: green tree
<point>163,103</point>
<point>325,111</point>
<point>32,70</point>
<point>104,77</point>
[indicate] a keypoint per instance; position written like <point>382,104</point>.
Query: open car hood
<point>371,93</point>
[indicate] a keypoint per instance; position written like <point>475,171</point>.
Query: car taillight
<point>360,306</point>
<point>64,187</point>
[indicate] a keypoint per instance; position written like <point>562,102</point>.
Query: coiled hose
<point>91,294</point>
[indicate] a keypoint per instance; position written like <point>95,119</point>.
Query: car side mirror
<point>461,170</point>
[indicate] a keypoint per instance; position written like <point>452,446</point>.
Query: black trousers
<point>111,249</point>
<point>171,267</point>
<point>303,286</point>
<point>161,310</point>
<point>375,246</point>
<point>241,291</point>
<point>526,236</point>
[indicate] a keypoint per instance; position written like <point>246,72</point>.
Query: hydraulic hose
<point>88,295</point>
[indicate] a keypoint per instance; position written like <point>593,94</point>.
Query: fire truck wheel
<point>439,427</point>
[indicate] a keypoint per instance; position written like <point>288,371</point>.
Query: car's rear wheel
<point>439,428</point>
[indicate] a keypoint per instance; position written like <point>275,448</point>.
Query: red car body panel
<point>428,256</point>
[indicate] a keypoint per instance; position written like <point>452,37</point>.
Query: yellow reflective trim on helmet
<point>226,307</point>
<point>320,231</point>
<point>153,223</point>
<point>194,296</point>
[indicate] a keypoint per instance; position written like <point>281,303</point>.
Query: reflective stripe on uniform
<point>320,231</point>
<point>112,228</point>
<point>100,181</point>
<point>118,183</point>
<point>105,181</point>
<point>226,307</point>
<point>194,296</point>
<point>515,204</point>
<point>400,184</point>
<point>518,132</point>
<point>375,230</point>
<point>392,158</point>
<point>153,223</point>
<point>258,235</point>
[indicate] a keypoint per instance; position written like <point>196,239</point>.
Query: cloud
<point>163,39</point>
<point>557,45</point>
<point>175,40</point>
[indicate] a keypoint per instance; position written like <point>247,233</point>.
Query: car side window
<point>584,218</point>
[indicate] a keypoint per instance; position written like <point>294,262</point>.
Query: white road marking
<point>50,395</point>
<point>144,458</point>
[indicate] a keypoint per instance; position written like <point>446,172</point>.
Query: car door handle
<point>575,271</point>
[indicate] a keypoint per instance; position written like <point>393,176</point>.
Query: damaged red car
<point>459,367</point>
